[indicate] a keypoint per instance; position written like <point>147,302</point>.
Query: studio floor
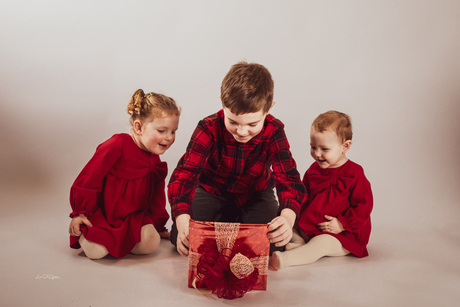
<point>405,268</point>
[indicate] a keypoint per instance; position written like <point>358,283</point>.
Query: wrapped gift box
<point>249,240</point>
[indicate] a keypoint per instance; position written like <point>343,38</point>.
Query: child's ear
<point>137,127</point>
<point>346,146</point>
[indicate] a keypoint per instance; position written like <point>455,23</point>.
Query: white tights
<point>298,252</point>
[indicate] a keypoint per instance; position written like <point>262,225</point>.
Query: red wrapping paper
<point>248,239</point>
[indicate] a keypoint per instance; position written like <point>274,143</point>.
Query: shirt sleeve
<point>306,184</point>
<point>88,186</point>
<point>181,188</point>
<point>289,187</point>
<point>361,204</point>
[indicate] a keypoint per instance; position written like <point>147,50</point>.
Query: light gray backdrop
<point>68,69</point>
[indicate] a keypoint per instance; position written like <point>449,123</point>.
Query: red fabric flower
<point>214,271</point>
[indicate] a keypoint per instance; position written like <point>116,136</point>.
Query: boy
<point>225,174</point>
<point>335,218</point>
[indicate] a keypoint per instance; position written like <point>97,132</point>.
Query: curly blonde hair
<point>146,107</point>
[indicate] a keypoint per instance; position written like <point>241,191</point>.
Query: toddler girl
<point>335,217</point>
<point>118,200</point>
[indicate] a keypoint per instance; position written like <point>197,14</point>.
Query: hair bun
<point>143,106</point>
<point>136,103</point>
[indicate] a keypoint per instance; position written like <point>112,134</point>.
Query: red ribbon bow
<point>226,274</point>
<point>341,182</point>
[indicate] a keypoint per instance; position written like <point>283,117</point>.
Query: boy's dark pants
<point>261,208</point>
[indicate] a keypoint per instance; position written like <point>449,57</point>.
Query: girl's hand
<point>182,224</point>
<point>74,227</point>
<point>281,228</point>
<point>333,226</point>
<point>165,234</point>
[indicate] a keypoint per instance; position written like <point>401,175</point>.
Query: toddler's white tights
<point>298,252</point>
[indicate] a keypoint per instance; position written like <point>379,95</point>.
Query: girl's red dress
<point>344,193</point>
<point>121,189</point>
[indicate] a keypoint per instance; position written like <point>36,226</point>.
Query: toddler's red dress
<point>121,189</point>
<point>344,193</point>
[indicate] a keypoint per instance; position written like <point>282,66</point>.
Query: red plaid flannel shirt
<point>218,163</point>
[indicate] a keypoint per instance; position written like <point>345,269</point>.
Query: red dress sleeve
<point>86,190</point>
<point>358,214</point>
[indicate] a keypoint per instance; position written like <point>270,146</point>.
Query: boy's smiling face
<point>244,127</point>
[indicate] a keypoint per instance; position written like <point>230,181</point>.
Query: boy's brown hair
<point>336,121</point>
<point>247,88</point>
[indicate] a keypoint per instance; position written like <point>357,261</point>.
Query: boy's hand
<point>333,226</point>
<point>281,228</point>
<point>74,227</point>
<point>182,224</point>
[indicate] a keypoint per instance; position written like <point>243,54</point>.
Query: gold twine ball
<point>241,266</point>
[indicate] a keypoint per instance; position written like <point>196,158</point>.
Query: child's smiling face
<point>158,135</point>
<point>328,149</point>
<point>244,127</point>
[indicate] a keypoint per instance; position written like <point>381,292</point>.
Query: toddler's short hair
<point>336,121</point>
<point>247,88</point>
